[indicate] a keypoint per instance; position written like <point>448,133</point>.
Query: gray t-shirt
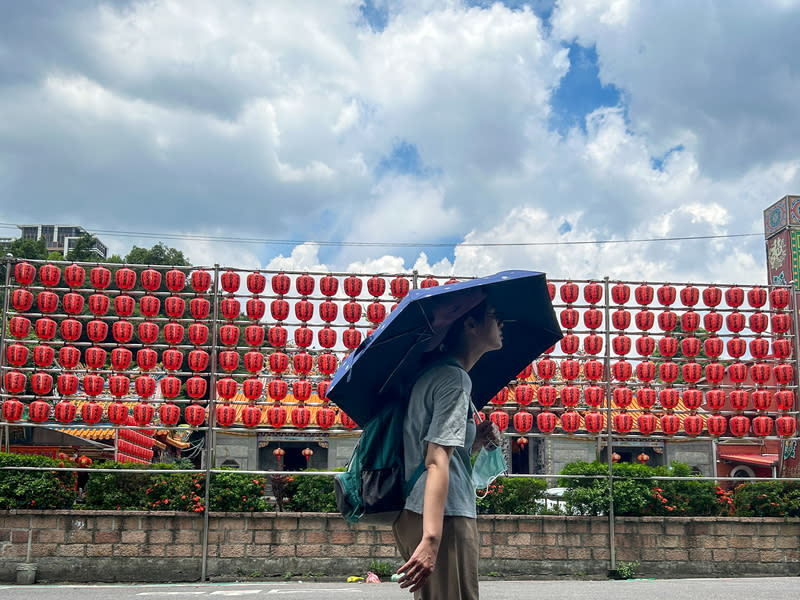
<point>438,411</point>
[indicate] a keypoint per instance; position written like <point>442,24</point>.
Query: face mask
<point>489,465</point>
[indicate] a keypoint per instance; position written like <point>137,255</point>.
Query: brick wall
<point>109,546</point>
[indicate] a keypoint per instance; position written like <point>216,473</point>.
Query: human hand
<point>416,571</point>
<point>487,435</point>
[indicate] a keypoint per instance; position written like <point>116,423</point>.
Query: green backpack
<point>373,489</point>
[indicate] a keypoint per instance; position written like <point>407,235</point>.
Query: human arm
<point>419,567</point>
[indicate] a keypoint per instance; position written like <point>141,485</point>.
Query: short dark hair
<point>456,329</point>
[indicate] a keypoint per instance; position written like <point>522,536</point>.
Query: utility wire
<point>276,242</point>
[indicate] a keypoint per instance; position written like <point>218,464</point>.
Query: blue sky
<point>479,135</point>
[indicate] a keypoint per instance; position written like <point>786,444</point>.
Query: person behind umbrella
<point>437,532</point>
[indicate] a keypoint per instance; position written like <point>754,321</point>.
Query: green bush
<point>236,492</point>
<point>310,493</point>
<point>117,491</point>
<point>767,499</point>
<point>35,489</point>
<point>513,496</point>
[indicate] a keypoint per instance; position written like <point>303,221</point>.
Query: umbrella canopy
<point>384,367</point>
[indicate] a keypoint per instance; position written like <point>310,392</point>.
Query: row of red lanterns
<point>668,320</point>
<point>571,396</point>
<point>594,422</point>
<point>666,295</point>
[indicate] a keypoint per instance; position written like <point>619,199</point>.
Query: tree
<point>160,254</point>
<point>33,249</point>
<point>84,249</point>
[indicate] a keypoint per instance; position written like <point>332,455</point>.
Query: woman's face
<point>491,330</point>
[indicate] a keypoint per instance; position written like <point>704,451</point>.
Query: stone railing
<point>127,546</point>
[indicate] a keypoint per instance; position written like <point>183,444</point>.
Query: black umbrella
<point>386,364</point>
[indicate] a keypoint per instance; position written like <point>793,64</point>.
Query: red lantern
<point>200,308</point>
<point>47,301</point>
<point>121,359</point>
<point>734,297</point>
<point>327,363</point>
<point>122,331</point>
<point>594,422</point>
<point>17,355</point>
<point>38,411</point>
<point>545,369</point>
<point>117,413</point>
<point>145,386</point>
<point>739,399</point>
<point>301,417</point>
<point>735,321</point>
<point>570,369</point>
<point>569,292</point>
<point>524,393</point>
<point>737,372</point>
<point>546,421</point>
<point>303,336</point>
<point>255,309</point>
<point>125,278</point>
<point>254,335</point>
<point>91,412</point>
<point>785,426</point>
<point>72,302</point>
<point>169,414</point>
<point>226,415</point>
<point>12,410</point>
<point>175,280</point>
<point>230,308</point>
<point>151,280</point>
<point>172,359</point>
<point>737,347</point>
<point>569,318</point>
<point>45,328</point>
<point>500,397</point>
<point>594,395</point>
<point>690,321</point>
<point>198,334</point>
<point>328,285</point>
<point>784,399</point>
<point>645,345</point>
<point>100,277</point>
<point>593,343</point>
<point>124,305</point>
<point>322,389</point>
<point>49,275</point>
<point>277,389</point>
<point>779,298</point>
<point>194,414</point>
<point>399,287</point>
<point>279,308</point>
<point>669,398</point>
<point>500,419</point>
<point>668,346</point>
<point>170,386</point>
<point>781,348</point>
<point>668,372</point>
<point>429,282</point>
<point>352,286</point>
<point>623,423</point>
<point>646,371</point>
<point>251,416</point>
<point>228,360</point>
<point>304,310</point>
<point>739,425</point>
<point>326,337</point>
<point>351,338</point>
<point>277,336</point>
<point>546,395</point>
<point>174,307</point>
<point>302,363</point>
<point>666,295</point>
<point>760,373</point>
<point>761,399</point>
<point>252,388</point>
<point>570,343</point>
<point>229,335</point>
<point>570,396</point>
<point>148,305</point>
<point>143,413</point>
<point>647,423</point>
<point>670,424</point>
<point>22,299</point>
<point>643,294</point>
<point>644,320</point>
<point>621,344</point>
<point>667,320</point>
<point>376,286</point>
<point>278,362</point>
<point>593,292</point>
<point>24,273</point>
<point>304,284</point>
<point>325,417</point>
<point>716,424</point>
<point>119,385</point>
<point>173,333</point>
<point>98,304</point>
<point>523,422</point>
<point>570,421</point>
<point>230,282</point>
<point>592,318</point>
<point>713,346</point>
<point>276,416</point>
<point>757,297</point>
<point>593,369</point>
<point>759,322</point>
<point>69,356</point>
<point>226,388</point>
<point>64,411</point>
<point>693,398</point>
<point>19,327</point>
<point>200,281</point>
<point>692,372</point>
<point>712,321</point>
<point>376,313</point>
<point>95,357</point>
<point>15,382</point>
<point>715,399</point>
<point>146,358</point>
<point>623,396</point>
<point>646,397</point>
<point>784,373</point>
<point>781,322</point>
<point>620,293</point>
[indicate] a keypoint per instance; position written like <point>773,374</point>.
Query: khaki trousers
<point>455,576</point>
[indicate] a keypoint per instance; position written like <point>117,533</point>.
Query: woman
<point>437,533</point>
